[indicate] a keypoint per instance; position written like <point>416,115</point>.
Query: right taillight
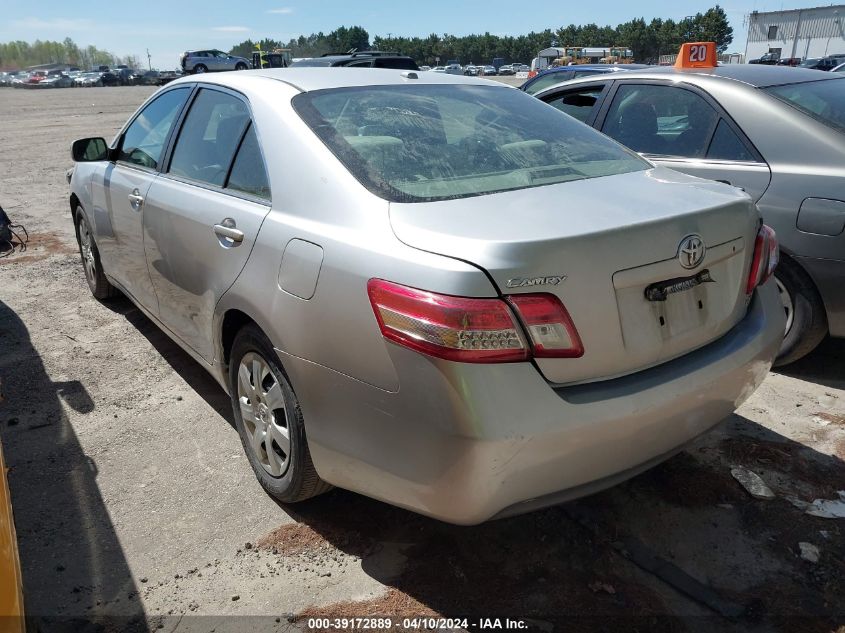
<point>472,330</point>
<point>765,259</point>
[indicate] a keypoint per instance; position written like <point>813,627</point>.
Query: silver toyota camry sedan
<point>429,289</point>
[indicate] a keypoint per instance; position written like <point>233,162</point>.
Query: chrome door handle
<point>136,200</point>
<point>228,231</point>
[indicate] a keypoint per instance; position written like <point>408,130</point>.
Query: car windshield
<point>822,100</point>
<point>436,142</point>
<point>812,61</point>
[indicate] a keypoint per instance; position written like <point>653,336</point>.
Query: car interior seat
<point>638,129</point>
<point>692,142</point>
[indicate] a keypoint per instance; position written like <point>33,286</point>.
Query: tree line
<point>647,40</point>
<point>19,54</point>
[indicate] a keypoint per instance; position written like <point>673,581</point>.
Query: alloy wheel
<point>263,408</point>
<point>89,261</point>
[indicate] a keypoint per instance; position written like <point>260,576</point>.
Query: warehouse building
<point>803,33</point>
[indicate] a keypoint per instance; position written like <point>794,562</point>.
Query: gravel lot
<point>135,506</point>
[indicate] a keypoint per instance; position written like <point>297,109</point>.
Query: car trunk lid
<point>598,245</point>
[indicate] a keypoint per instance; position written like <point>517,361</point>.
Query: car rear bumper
<point>464,443</point>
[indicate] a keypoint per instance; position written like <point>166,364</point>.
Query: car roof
<point>329,60</point>
<point>558,69</point>
<point>308,78</point>
<point>755,75</point>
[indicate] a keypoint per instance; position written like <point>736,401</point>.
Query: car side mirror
<point>89,150</point>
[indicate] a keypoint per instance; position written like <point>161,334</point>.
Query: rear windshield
<point>418,143</point>
<point>822,100</point>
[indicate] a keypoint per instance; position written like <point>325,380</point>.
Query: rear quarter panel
<point>806,158</point>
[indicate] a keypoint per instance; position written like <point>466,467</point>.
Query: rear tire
<point>269,420</point>
<point>200,68</point>
<point>91,264</point>
<point>806,317</point>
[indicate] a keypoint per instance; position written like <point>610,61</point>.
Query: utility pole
<point>149,63</point>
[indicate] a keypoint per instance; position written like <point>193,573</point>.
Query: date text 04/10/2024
<point>382,623</point>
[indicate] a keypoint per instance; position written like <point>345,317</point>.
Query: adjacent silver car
<point>775,131</point>
<point>431,289</point>
<point>211,60</point>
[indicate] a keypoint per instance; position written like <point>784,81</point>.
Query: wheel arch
<point>791,260</point>
<point>232,322</point>
<point>74,203</point>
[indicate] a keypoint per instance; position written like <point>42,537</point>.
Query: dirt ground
<point>136,509</point>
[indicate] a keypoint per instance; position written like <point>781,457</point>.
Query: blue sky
<point>168,27</point>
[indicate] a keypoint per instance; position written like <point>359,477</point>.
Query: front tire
<point>91,264</point>
<point>269,420</point>
<point>806,320</point>
<point>240,66</point>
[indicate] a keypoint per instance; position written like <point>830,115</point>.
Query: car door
<point>220,60</point>
<point>119,197</point>
<point>203,214</point>
<point>683,128</point>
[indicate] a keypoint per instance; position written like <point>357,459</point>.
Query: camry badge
<point>691,251</point>
<point>522,282</point>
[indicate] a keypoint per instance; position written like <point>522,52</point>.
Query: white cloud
<point>232,29</point>
<point>54,24</point>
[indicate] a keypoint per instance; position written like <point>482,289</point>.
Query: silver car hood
<point>609,237</point>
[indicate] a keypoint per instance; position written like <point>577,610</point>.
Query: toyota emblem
<point>691,251</point>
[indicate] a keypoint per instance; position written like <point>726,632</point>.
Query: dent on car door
<point>681,128</point>
<point>118,218</point>
<point>204,213</point>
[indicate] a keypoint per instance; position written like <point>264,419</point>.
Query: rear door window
<point>143,142</point>
<point>209,137</point>
<point>661,120</point>
<point>726,145</point>
<point>398,63</point>
<point>249,174</point>
<point>578,104</point>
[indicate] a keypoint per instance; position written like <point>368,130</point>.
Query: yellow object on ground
<point>11,596</point>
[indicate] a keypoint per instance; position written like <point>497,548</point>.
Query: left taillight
<point>454,328</point>
<point>765,258</point>
<point>471,330</point>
